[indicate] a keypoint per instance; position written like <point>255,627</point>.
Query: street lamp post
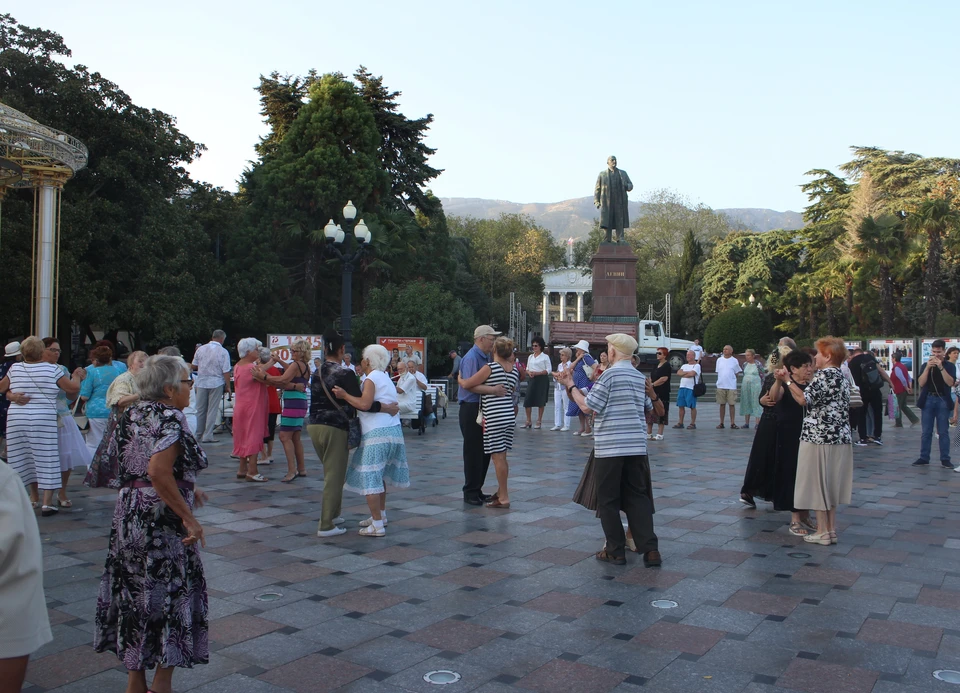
<point>341,245</point>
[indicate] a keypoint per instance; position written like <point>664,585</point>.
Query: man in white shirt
<point>728,367</point>
<point>689,376</point>
<point>697,350</point>
<point>421,378</point>
<point>212,364</point>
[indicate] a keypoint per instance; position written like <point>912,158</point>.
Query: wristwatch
<point>789,383</point>
<point>569,390</point>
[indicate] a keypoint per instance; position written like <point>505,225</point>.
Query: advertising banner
<point>885,348</point>
<point>407,348</point>
<point>280,345</point>
<point>852,344</point>
<point>927,344</point>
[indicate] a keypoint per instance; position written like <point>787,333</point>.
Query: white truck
<point>649,334</point>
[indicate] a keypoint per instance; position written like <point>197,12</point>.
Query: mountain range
<point>574,218</point>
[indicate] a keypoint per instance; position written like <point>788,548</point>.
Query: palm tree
<point>880,247</point>
<point>935,218</point>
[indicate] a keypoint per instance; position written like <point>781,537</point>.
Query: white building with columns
<point>563,292</point>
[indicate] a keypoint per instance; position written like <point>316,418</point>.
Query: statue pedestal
<point>614,282</point>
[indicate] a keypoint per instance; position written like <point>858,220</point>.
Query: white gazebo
<point>566,283</point>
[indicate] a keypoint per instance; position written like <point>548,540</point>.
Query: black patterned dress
<point>758,477</point>
<point>152,605</point>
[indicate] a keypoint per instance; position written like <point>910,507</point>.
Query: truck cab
<point>652,336</point>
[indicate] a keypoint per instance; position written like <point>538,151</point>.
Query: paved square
<point>514,600</point>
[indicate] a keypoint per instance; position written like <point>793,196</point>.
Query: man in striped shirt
<point>620,399</point>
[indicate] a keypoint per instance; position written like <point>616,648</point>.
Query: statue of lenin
<point>610,197</point>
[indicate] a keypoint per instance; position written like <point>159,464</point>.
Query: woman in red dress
<point>251,404</point>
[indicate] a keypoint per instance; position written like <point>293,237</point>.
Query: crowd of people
<point>152,608</point>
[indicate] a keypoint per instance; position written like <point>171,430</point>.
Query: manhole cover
<point>664,604</point>
<point>947,675</point>
<point>268,597</point>
<point>441,677</point>
<point>729,502</point>
<point>799,555</point>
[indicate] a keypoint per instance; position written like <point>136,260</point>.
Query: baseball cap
<point>485,331</point>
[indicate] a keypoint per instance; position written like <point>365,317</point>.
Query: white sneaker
<point>372,531</point>
<point>369,522</point>
<point>338,520</point>
<point>555,428</point>
<point>565,429</point>
<point>336,531</point>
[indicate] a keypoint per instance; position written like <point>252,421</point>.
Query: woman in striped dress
<point>497,411</point>
<point>293,382</point>
<point>32,446</point>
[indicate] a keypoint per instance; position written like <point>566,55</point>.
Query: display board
<point>926,346</point>
<point>280,345</point>
<point>407,348</point>
<point>885,348</point>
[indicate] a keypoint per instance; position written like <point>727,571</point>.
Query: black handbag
<point>353,427</point>
<point>699,387</point>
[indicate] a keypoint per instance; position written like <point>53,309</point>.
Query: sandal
<point>537,427</point>
<point>257,478</point>
<point>798,530</point>
<point>808,524</point>
<point>833,537</point>
<point>734,427</point>
<point>679,425</point>
<point>303,474</point>
<point>287,479</point>
<point>241,476</point>
<point>610,558</point>
<point>721,426</point>
<point>64,503</point>
<point>35,505</point>
<point>823,539</point>
<point>48,510</point>
<point>372,531</point>
<point>691,427</point>
<point>495,503</point>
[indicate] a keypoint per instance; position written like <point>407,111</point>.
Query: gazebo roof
<point>39,150</point>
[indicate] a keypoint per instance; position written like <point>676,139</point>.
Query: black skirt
<point>758,478</point>
<point>538,389</point>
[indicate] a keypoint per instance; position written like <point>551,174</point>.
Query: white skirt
<point>73,449</point>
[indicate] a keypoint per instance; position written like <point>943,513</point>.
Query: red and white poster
<point>407,348</point>
<point>280,345</point>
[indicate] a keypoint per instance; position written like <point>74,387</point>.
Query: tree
<point>934,219</point>
<point>329,155</point>
<point>880,246</point>
<point>281,99</point>
<point>417,309</point>
<point>403,155</point>
<point>741,328</point>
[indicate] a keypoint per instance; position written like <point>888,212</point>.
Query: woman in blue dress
<point>581,379</point>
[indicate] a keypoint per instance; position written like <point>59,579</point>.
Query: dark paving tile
<point>230,630</point>
<point>813,676</point>
<point>906,635</point>
<point>827,576</point>
<point>560,675</point>
<point>457,636</point>
<point>762,603</point>
<point>720,556</point>
<point>564,604</point>
<point>68,666</point>
<point>674,636</point>
<point>366,601</point>
<point>472,577</point>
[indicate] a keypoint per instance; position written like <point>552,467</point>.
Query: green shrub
<point>741,328</point>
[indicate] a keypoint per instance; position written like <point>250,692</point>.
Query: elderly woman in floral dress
<point>152,604</point>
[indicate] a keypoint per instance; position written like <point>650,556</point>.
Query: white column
<point>563,306</point>
<point>43,318</point>
<point>545,332</point>
<point>579,306</point>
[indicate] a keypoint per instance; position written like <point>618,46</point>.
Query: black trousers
<point>621,483</point>
<point>475,462</point>
<point>874,398</point>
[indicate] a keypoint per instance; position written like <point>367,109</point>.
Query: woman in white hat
<point>581,380</point>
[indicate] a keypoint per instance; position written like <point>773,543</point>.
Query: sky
<point>726,103</point>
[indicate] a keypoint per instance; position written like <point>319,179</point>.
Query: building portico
<point>563,292</point>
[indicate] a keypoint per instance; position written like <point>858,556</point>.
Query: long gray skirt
<point>824,476</point>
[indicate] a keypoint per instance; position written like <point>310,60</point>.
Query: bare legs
<point>64,480</point>
<point>693,415</point>
<point>162,681</point>
<point>293,449</point>
<point>377,503</point>
<point>12,672</point>
<point>248,466</point>
<point>499,460</point>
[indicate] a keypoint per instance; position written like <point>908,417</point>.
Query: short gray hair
<point>567,351</point>
<point>157,373</point>
<point>248,344</point>
<point>377,356</point>
<point>264,354</point>
<point>169,351</point>
<point>219,334</point>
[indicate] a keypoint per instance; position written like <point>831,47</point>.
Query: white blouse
<point>538,363</point>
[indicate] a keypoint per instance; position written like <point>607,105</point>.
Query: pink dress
<point>250,407</point>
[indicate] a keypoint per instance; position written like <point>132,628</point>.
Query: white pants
<point>95,434</point>
<point>560,403</point>
<point>208,407</point>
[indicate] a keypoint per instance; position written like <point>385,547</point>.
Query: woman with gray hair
<point>152,603</point>
<point>250,409</point>
<point>382,457</point>
<point>561,422</point>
